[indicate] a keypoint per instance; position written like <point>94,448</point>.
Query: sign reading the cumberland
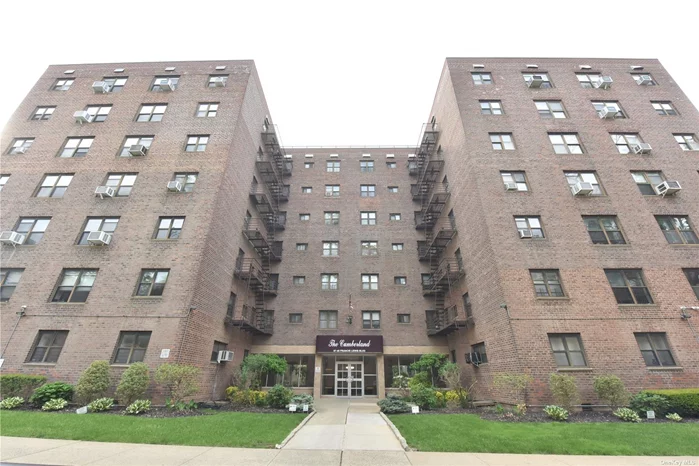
<point>349,344</point>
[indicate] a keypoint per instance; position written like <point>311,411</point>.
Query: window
<point>196,143</point>
<point>693,277</point>
<point>479,348</point>
<point>122,183</point>
<point>491,107</point>
<point>550,109</point>
<point>332,167</point>
<point>32,228</point>
<point>604,229</point>
<point>74,285</point>
<point>20,146</point>
<point>466,299</point>
<point>328,281</point>
<point>587,80</point>
<point>644,78</point>
<point>624,142</point>
<point>306,189</point>
<point>307,164</point>
<point>611,107</point>
<point>230,307</point>
<point>301,246</point>
<point>393,189</point>
<point>328,319</point>
<point>529,226</point>
<point>664,108</point>
<point>403,318</point>
<point>304,217</point>
<point>331,248</point>
<point>370,281</point>
<point>502,141</point>
<point>131,347</point>
<point>370,248</point>
<point>105,224</point>
<point>547,283</point>
<point>394,217</point>
<point>115,84</point>
<point>391,165</point>
<point>76,147</point>
<point>207,109</point>
<point>9,279</point>
<point>54,185</point>
<point>399,280</point>
<point>371,319</point>
<point>299,280</point>
<point>647,181</point>
<point>566,143</point>
<point>160,83</point>
<point>332,218</point>
<point>515,179</point>
<point>584,177</point>
<point>218,346</point>
<point>332,190</point>
<point>677,229</point>
<point>62,84</point>
<point>152,282</point>
<point>687,141</point>
<point>43,113</point>
<point>99,113</point>
<point>296,318</point>
<point>151,112</point>
<point>187,180</point>
<point>628,286</point>
<point>217,80</point>
<point>567,350</point>
<point>145,141</point>
<point>480,79</point>
<point>654,349</point>
<point>48,346</point>
<point>397,246</point>
<point>368,218</point>
<point>367,190</point>
<point>3,181</point>
<point>169,228</point>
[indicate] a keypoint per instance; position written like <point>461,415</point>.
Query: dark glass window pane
<point>623,296</point>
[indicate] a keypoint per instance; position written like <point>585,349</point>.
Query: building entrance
<point>349,379</point>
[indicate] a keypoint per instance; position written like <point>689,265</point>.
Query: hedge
<point>20,385</point>
<point>683,401</point>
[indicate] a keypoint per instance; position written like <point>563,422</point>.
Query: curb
<point>396,432</point>
<point>293,432</point>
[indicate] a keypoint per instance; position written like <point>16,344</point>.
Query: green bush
<point>301,400</point>
<point>556,413</point>
<point>611,389</point>
<point>394,404</point>
<point>430,364</point>
<point>181,380</point>
<point>683,401</point>
<point>279,396</point>
<point>52,391</point>
<point>94,382</point>
<point>54,405</point>
<point>514,385</point>
<point>564,390</point>
<point>102,404</point>
<point>133,384</point>
<point>649,402</point>
<point>22,385</point>
<point>627,415</point>
<point>424,397</point>
<point>11,402</point>
<point>254,366</point>
<point>421,379</point>
<point>246,397</point>
<point>138,407</point>
<point>674,417</point>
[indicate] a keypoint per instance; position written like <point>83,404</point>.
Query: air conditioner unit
<point>645,81</point>
<point>19,150</point>
<point>11,237</point>
<point>103,191</point>
<point>642,148</point>
<point>138,150</point>
<point>604,82</point>
<point>390,156</point>
<point>411,156</point>
<point>218,82</point>
<point>474,358</point>
<point>101,87</point>
<point>535,81</point>
<point>82,116</point>
<point>608,113</point>
<point>510,186</point>
<point>99,238</point>
<point>166,85</point>
<point>668,188</point>
<point>525,234</point>
<point>174,186</point>
<point>224,356</point>
<point>582,188</point>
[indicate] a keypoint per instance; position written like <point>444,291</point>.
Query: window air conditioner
<point>103,191</point>
<point>604,82</point>
<point>474,358</point>
<point>218,82</point>
<point>608,113</point>
<point>535,81</point>
<point>11,237</point>
<point>525,234</point>
<point>101,87</point>
<point>174,186</point>
<point>138,150</point>
<point>510,186</point>
<point>224,356</point>
<point>166,85</point>
<point>20,150</point>
<point>668,188</point>
<point>582,188</point>
<point>642,148</point>
<point>645,81</point>
<point>82,116</point>
<point>99,238</point>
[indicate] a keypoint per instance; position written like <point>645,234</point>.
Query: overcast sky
<point>341,73</point>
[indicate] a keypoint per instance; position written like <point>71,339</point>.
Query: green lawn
<point>469,433</point>
<point>252,430</point>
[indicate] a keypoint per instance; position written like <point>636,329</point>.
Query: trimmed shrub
<point>11,402</point>
<point>54,405</point>
<point>22,385</point>
<point>564,390</point>
<point>556,413</point>
<point>181,380</point>
<point>52,391</point>
<point>514,385</point>
<point>421,379</point>
<point>103,404</point>
<point>133,384</point>
<point>627,415</point>
<point>683,401</point>
<point>649,402</point>
<point>424,397</point>
<point>394,404</point>
<point>94,382</point>
<point>279,396</point>
<point>138,407</point>
<point>246,397</point>
<point>610,389</point>
<point>430,364</point>
<point>301,400</point>
<point>674,417</point>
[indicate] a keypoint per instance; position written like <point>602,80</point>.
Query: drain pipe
<point>20,314</point>
<point>184,334</point>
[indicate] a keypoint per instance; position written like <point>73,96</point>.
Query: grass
<point>237,429</point>
<point>470,433</point>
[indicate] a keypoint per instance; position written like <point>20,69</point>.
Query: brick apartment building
<point>151,213</point>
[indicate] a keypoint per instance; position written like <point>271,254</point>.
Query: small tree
<point>515,385</point>
<point>564,390</point>
<point>94,382</point>
<point>611,389</point>
<point>256,365</point>
<point>180,380</point>
<point>450,373</point>
<point>133,384</point>
<point>430,363</point>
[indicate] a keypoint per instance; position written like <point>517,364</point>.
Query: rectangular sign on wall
<point>349,344</point>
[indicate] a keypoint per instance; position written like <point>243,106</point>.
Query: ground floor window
<point>398,365</point>
<point>299,372</point>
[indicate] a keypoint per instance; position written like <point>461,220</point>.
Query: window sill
<point>168,240</point>
<point>683,245</point>
<point>371,329</point>
<point>621,246</point>
<point>327,330</point>
<point>574,369</point>
<point>147,297</point>
<point>295,323</point>
<point>552,298</point>
<point>638,306</point>
<point>69,303</point>
<point>39,364</point>
<point>668,368</point>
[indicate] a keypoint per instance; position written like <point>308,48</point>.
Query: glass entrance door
<point>349,379</point>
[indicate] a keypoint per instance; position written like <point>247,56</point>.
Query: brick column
<point>318,376</point>
<point>380,377</point>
